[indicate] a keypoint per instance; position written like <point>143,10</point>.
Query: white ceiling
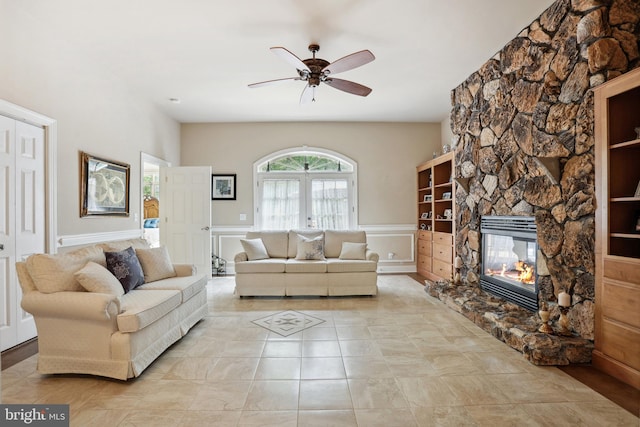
<point>205,52</point>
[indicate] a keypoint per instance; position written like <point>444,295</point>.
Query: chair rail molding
<point>93,238</point>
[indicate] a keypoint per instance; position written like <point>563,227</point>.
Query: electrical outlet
<point>243,217</point>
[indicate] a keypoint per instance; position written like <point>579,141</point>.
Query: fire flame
<point>525,272</point>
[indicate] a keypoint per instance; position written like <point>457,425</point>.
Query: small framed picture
<point>223,186</point>
<point>446,195</point>
<point>427,198</point>
<point>425,215</point>
<point>448,214</point>
<point>104,186</point>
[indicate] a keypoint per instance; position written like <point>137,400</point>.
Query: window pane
<point>280,207</point>
<point>330,204</point>
<point>299,162</point>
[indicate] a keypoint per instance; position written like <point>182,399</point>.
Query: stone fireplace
<point>509,252</point>
<point>524,146</point>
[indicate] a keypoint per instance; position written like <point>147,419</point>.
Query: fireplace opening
<point>509,259</point>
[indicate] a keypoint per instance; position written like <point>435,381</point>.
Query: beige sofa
<point>346,266</point>
<point>103,331</point>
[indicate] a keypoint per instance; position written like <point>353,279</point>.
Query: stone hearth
<point>511,324</point>
<point>523,127</point>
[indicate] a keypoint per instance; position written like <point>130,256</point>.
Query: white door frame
<point>50,141</point>
<point>148,158</point>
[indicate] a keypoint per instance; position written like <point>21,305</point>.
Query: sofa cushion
<point>140,308</point>
<point>306,266</point>
<point>276,242</point>
<point>96,278</point>
<point>335,238</point>
<point>353,251</point>
<point>126,267</point>
<point>156,264</point>
<point>255,249</point>
<point>119,245</point>
<point>55,273</point>
<point>310,249</point>
<point>350,266</point>
<point>271,265</point>
<point>293,239</point>
<point>187,285</point>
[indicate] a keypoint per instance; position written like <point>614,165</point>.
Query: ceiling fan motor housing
<point>315,65</point>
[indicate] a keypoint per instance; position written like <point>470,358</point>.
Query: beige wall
<point>387,155</point>
<point>96,113</point>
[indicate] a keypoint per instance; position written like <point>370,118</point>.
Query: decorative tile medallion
<point>288,322</point>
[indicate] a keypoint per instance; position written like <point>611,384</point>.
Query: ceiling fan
<point>316,70</point>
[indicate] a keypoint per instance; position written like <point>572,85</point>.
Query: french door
<point>301,200</point>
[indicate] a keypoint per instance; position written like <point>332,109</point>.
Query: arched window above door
<point>305,161</point>
<point>305,188</point>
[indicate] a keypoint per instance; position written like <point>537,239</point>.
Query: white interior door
<point>22,220</point>
<point>185,215</point>
<point>8,328</point>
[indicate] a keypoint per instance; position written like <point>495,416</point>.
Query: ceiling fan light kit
<point>314,71</point>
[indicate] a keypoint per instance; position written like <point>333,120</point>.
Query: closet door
<point>22,220</point>
<point>8,280</point>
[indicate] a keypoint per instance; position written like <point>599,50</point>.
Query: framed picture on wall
<point>223,186</point>
<point>104,186</point>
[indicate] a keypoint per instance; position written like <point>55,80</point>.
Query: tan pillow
<point>310,249</point>
<point>255,249</point>
<point>55,273</point>
<point>120,245</point>
<point>352,250</point>
<point>156,264</point>
<point>96,278</point>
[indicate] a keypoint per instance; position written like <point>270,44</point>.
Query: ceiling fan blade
<point>272,82</point>
<point>347,86</point>
<point>308,95</point>
<point>349,62</point>
<point>290,58</point>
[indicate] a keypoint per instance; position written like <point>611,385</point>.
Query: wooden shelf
<point>617,246</point>
<point>625,199</point>
<point>625,235</point>
<point>434,179</point>
<point>635,142</point>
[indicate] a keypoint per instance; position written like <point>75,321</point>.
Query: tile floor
<point>399,359</point>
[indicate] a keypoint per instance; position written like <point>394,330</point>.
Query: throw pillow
<point>353,250</point>
<point>156,264</point>
<point>126,267</point>
<point>310,249</point>
<point>95,278</point>
<point>54,273</point>
<point>255,249</point>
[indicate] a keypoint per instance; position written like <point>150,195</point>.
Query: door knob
<point>205,228</point>
<point>1,247</point>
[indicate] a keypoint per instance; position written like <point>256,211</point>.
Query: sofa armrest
<point>72,305</point>
<point>183,270</point>
<point>372,256</point>
<point>240,257</point>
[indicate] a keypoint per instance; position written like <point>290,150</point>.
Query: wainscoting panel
<point>394,243</point>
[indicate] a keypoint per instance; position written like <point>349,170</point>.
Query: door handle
<point>1,247</point>
<point>205,229</point>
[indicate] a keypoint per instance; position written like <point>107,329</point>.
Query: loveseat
<point>94,315</point>
<point>306,262</point>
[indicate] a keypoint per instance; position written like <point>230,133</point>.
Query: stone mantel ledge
<point>511,324</point>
